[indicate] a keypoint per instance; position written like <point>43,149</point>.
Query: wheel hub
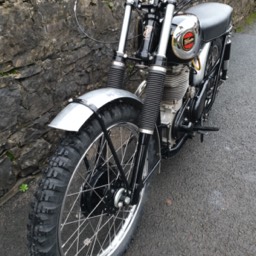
<point>121,198</point>
<point>99,196</point>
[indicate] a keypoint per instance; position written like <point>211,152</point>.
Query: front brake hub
<point>98,196</point>
<point>93,191</point>
<point>116,198</point>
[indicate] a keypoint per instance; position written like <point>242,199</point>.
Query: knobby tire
<point>70,214</point>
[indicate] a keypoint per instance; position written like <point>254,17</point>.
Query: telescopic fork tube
<point>125,27</point>
<point>151,106</point>
<point>165,33</point>
<point>156,76</point>
<point>117,69</point>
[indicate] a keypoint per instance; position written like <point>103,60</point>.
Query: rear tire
<point>73,211</point>
<point>213,56</point>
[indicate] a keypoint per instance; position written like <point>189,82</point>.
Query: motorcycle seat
<point>214,19</point>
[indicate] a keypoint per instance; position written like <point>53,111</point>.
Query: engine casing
<point>175,87</point>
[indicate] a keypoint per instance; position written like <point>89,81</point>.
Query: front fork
<point>117,69</point>
<point>155,85</point>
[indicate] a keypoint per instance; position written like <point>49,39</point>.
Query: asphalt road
<point>204,201</point>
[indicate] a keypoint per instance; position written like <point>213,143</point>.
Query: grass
<point>8,73</point>
<point>247,22</point>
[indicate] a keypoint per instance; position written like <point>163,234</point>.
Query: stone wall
<point>44,60</point>
<point>241,8</point>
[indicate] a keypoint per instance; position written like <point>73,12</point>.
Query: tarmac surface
<point>204,201</point>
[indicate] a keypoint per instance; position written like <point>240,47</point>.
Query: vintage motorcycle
<point>90,198</point>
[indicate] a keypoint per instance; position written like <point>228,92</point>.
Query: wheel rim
<point>98,232</point>
<point>211,93</point>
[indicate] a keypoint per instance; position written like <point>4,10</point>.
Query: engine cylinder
<point>176,83</point>
<point>175,87</point>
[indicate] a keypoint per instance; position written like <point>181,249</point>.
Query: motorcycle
<point>91,195</point>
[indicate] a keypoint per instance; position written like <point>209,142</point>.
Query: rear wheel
<point>78,208</point>
<point>214,82</point>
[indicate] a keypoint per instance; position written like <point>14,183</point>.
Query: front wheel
<point>75,211</point>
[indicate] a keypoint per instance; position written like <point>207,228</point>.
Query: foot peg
<point>202,130</point>
<point>199,128</point>
<point>205,129</point>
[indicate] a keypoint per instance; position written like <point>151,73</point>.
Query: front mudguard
<point>74,115</point>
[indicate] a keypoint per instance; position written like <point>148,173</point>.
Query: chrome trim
<point>158,68</point>
<point>164,38</point>
<point>141,88</point>
<point>198,77</point>
<point>230,29</point>
<point>125,27</point>
<point>118,63</point>
<point>74,115</point>
<point>189,24</point>
<point>146,131</point>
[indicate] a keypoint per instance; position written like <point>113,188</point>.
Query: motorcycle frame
<point>91,103</point>
<point>158,65</point>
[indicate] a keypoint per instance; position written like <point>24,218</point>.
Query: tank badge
<point>188,41</point>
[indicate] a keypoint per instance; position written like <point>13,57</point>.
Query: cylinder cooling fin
<point>175,87</point>
<point>176,83</point>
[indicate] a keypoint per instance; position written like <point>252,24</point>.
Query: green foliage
<point>23,187</point>
<point>252,18</point>
<point>248,21</point>
<point>109,3</point>
<point>8,73</point>
<point>130,68</point>
<point>10,155</point>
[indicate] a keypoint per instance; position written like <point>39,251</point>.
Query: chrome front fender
<point>74,115</point>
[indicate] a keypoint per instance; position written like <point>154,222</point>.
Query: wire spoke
<point>91,230</point>
<point>72,207</point>
<point>82,223</point>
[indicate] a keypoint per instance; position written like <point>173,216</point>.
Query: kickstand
<point>201,132</point>
<point>202,137</point>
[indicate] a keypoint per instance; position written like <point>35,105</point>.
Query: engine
<point>176,85</point>
<point>184,46</point>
